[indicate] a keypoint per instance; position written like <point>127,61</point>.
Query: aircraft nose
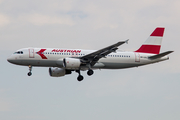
<point>14,60</point>
<point>10,59</point>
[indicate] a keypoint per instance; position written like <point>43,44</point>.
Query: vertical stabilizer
<point>153,43</point>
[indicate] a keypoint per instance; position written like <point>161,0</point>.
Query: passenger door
<point>137,57</point>
<point>31,53</point>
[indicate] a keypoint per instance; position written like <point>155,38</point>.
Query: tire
<point>29,74</point>
<point>90,72</point>
<point>80,78</point>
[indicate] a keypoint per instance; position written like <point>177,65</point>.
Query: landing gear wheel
<point>80,78</point>
<point>29,74</point>
<point>30,69</point>
<point>90,72</point>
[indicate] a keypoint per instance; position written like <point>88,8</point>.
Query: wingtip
<point>127,41</point>
<point>171,51</point>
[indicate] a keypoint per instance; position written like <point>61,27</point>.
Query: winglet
<point>126,41</point>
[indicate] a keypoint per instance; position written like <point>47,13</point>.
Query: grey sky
<point>143,93</point>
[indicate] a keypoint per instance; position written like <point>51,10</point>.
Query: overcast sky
<point>149,92</point>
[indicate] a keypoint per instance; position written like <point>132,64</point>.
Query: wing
<point>92,58</point>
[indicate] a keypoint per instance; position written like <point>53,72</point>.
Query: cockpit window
<point>19,52</point>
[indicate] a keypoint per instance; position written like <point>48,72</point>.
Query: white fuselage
<point>53,57</point>
<point>62,62</point>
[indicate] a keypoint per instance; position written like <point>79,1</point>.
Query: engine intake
<point>58,72</point>
<point>71,63</point>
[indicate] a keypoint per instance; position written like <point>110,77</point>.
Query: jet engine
<point>58,72</point>
<point>71,63</point>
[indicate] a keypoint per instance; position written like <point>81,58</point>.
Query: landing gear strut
<point>30,69</point>
<point>80,77</point>
<point>90,71</point>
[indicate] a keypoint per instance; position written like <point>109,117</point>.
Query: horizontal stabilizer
<point>160,55</point>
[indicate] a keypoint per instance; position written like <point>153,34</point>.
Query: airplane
<point>62,62</point>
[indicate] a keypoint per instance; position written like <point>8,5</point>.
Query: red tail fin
<point>153,43</point>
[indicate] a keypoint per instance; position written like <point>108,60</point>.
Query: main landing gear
<point>90,72</point>
<point>80,77</point>
<point>30,69</point>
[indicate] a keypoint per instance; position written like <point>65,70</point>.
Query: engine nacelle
<point>58,72</point>
<point>71,63</point>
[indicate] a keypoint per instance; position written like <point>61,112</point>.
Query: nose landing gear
<point>30,69</point>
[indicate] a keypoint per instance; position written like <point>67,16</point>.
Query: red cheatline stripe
<point>158,32</point>
<point>41,53</point>
<point>154,49</point>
